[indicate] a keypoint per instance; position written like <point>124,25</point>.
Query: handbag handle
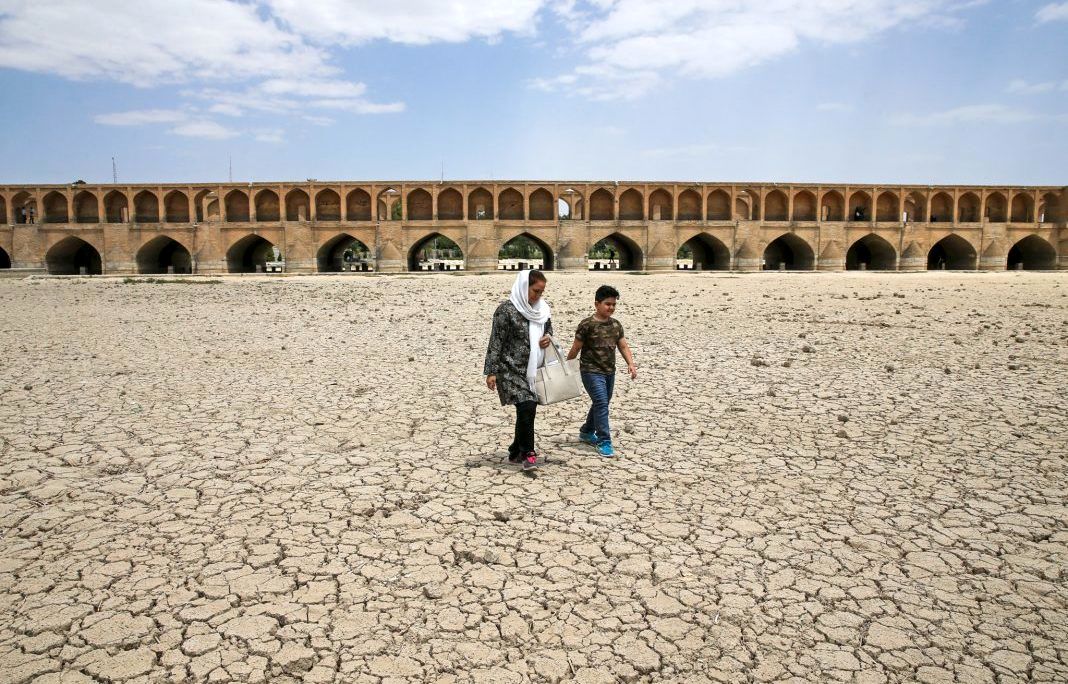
<point>559,356</point>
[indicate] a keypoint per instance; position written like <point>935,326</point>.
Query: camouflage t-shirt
<point>599,340</point>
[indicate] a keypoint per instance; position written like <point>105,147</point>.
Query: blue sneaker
<point>589,438</point>
<point>605,449</point>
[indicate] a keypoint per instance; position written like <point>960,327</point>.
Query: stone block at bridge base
<point>831,265</point>
<point>748,264</point>
<point>660,263</point>
<point>912,264</point>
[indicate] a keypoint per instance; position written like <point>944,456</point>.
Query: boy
<point>598,337</point>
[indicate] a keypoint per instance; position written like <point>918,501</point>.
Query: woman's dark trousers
<point>525,411</point>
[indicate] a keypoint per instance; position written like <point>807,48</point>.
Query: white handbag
<point>557,379</point>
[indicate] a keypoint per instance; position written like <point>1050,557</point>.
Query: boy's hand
<point>633,368</point>
<point>491,382</point>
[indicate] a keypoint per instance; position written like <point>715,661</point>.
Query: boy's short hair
<point>605,292</point>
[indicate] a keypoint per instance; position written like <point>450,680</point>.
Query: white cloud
<point>834,107</point>
<point>1023,87</point>
<point>141,117</point>
<point>1055,11</point>
<point>716,38</point>
<point>416,22</point>
<point>204,129</point>
<point>226,109</point>
<point>980,113</point>
<point>272,135</point>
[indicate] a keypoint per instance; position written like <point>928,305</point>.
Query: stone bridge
<point>232,228</point>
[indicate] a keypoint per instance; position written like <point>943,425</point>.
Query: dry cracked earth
<point>822,477</point>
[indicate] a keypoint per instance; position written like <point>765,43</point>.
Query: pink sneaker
<point>530,461</point>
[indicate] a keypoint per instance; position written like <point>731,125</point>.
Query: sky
<point>833,91</point>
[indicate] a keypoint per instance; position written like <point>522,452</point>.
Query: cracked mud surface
<point>827,477</point>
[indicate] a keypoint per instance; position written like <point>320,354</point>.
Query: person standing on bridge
<point>521,332</point>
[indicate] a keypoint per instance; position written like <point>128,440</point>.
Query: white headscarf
<point>537,315</point>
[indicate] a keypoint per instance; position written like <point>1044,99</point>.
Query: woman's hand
<point>491,382</point>
<point>544,341</point>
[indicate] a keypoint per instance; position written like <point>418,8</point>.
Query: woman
<point>521,331</point>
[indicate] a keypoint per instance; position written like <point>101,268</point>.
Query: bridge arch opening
<point>237,207</point>
<point>832,206</point>
<point>525,251</point>
<point>510,205</point>
<point>24,207</point>
<point>775,206</point>
<point>789,253</point>
<point>250,254</point>
<point>804,206</point>
<point>718,206</point>
<point>344,253</point>
<point>116,207</point>
<point>85,210</point>
<point>690,205</point>
<point>327,205</point>
<point>480,205</point>
<point>953,253</point>
<point>705,253</point>
<point>630,206</point>
<point>1023,208</point>
<point>420,205</point>
<point>146,207</point>
<point>298,205</point>
<point>1032,253</point>
<point>163,254</point>
<point>268,206</point>
<point>5,259</point>
<point>747,205</point>
<point>915,208</point>
<point>615,252</point>
<point>860,206</point>
<point>968,208</point>
<point>176,207</point>
<point>886,207</point>
<point>660,205</point>
<point>541,205</point>
<point>602,206</point>
<point>1049,209</point>
<point>563,209</point>
<point>997,208</point>
<point>941,207</point>
<point>55,208</point>
<point>871,253</point>
<point>450,205</point>
<point>73,256</point>
<point>436,252</point>
<point>358,205</point>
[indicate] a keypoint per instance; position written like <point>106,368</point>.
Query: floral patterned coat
<point>508,353</point>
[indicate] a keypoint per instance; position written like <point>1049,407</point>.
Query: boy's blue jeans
<point>599,386</point>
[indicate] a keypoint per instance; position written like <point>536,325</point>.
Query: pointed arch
<point>55,208</point>
<point>775,206</point>
<point>951,252</point>
<point>249,254</point>
<point>298,205</point>
<point>602,205</point>
<point>915,207</point>
<point>433,250</point>
<point>327,205</point>
<point>202,202</point>
<point>804,206</point>
<point>1032,253</point>
<point>528,250</point>
<point>1049,209</point>
<point>5,258</point>
<point>886,207</point>
<point>747,205</point>
<point>116,207</point>
<point>268,206</point>
<point>420,205</point>
<point>968,208</point>
<point>630,205</point>
<point>176,207</point>
<point>450,205</point>
<point>621,251</point>
<point>789,252</point>
<point>661,205</point>
<point>146,207</point>
<point>718,206</point>
<point>237,207</point>
<point>164,254</point>
<point>24,207</point>
<point>1023,208</point>
<point>542,205</point>
<point>358,205</point>
<point>997,208</point>
<point>708,253</point>
<point>480,205</point>
<point>832,206</point>
<point>859,208</point>
<point>690,208</point>
<point>510,205</point>
<point>85,208</point>
<point>873,253</point>
<point>73,256</point>
<point>344,252</point>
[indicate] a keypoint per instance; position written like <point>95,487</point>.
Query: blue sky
<point>866,91</point>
